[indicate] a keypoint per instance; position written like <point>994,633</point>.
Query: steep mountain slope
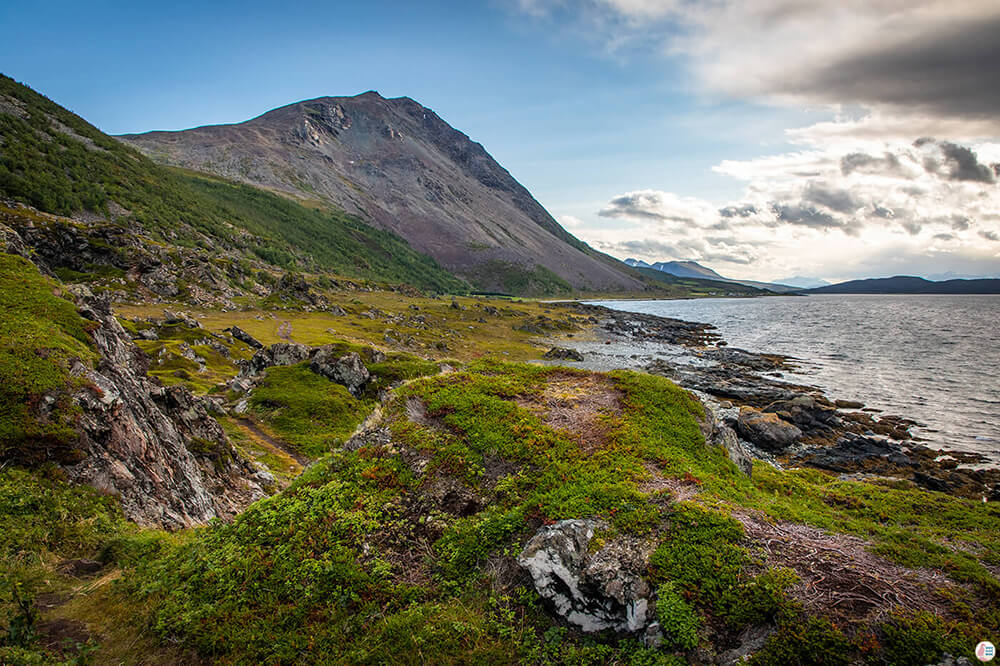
<point>903,284</point>
<point>694,270</point>
<point>397,164</point>
<point>58,163</point>
<point>689,287</point>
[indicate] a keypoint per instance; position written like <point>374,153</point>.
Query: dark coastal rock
<point>766,430</point>
<point>854,453</point>
<point>347,370</point>
<point>563,354</point>
<point>243,336</point>
<point>594,591</point>
<point>803,410</point>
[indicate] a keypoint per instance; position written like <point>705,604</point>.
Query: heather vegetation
<point>40,334</point>
<point>363,558</point>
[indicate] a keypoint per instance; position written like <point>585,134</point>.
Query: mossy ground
<point>357,561</point>
<point>404,551</point>
<point>40,335</point>
<point>428,327</point>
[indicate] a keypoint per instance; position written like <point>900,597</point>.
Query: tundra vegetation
<point>398,511</point>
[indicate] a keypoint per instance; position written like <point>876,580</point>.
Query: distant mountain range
<point>804,282</point>
<point>692,269</point>
<point>905,284</point>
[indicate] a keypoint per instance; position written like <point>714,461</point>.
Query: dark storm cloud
<point>648,205</point>
<point>990,235</point>
<point>963,163</point>
<point>944,237</point>
<point>833,198</point>
<point>865,163</point>
<point>745,210</point>
<point>884,213</point>
<point>951,70</point>
<point>959,222</point>
<point>805,216</point>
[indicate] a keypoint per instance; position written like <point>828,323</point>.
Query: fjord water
<point>932,358</point>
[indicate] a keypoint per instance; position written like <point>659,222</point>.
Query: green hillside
<point>56,162</point>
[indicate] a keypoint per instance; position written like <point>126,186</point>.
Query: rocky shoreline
<point>784,423</point>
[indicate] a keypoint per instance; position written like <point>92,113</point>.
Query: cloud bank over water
<point>904,173</point>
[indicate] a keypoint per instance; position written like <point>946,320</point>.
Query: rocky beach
<point>777,420</point>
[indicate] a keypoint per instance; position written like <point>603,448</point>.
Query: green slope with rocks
<point>58,163</point>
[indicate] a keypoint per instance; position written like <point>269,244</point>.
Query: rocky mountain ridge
<point>158,449</point>
<point>397,164</point>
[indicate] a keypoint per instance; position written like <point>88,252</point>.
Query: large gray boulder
<point>347,370</point>
<point>594,591</point>
<point>766,430</point>
<point>717,431</point>
<point>280,353</point>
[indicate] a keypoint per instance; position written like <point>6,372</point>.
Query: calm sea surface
<point>935,359</point>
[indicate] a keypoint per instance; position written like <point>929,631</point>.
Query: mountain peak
<point>399,166</point>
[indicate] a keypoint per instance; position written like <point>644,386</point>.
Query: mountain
<point>692,269</point>
<point>396,164</point>
<point>161,225</point>
<point>804,282</point>
<point>904,284</point>
<point>690,287</point>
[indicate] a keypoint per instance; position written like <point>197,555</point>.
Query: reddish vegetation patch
<point>681,490</point>
<point>838,576</point>
<point>578,405</point>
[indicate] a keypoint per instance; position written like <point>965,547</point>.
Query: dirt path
<point>271,442</point>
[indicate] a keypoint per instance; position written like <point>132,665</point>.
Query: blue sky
<point>609,111</point>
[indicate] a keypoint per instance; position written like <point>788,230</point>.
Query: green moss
<point>358,561</point>
<point>678,620</point>
<point>807,641</point>
<point>40,334</point>
<point>218,453</point>
<point>307,410</point>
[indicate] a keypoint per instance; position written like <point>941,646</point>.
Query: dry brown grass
<point>838,576</point>
<point>583,406</point>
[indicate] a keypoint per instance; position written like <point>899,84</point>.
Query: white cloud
<point>835,211</point>
<point>570,221</point>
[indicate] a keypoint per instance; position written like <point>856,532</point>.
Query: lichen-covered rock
<point>157,449</point>
<point>347,370</point>
<point>769,431</point>
<point>594,591</point>
<point>170,317</point>
<point>280,353</point>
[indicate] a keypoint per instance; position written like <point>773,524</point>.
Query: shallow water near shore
<point>931,358</point>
